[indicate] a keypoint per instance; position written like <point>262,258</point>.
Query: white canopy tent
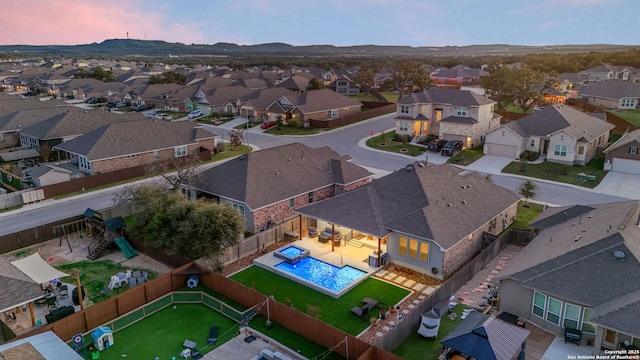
<point>37,269</point>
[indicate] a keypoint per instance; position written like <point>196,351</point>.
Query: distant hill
<point>119,47</point>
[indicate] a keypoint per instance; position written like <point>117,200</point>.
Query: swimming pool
<point>326,275</point>
<point>291,254</point>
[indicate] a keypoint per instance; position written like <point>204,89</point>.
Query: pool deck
<point>269,261</point>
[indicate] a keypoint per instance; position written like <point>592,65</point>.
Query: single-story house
<point>447,113</point>
<point>612,94</point>
<point>623,155</point>
<point>267,186</point>
<point>559,132</point>
<point>322,104</point>
<point>581,272</point>
<point>132,143</point>
<point>427,218</point>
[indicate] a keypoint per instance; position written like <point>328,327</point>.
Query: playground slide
<point>126,248</point>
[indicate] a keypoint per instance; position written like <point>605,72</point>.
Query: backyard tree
<point>410,73</point>
<point>177,170</point>
<point>315,84</point>
<point>194,229</point>
<point>528,190</point>
<point>512,85</point>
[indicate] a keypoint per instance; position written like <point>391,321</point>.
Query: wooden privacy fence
<point>352,118</point>
<point>411,321</point>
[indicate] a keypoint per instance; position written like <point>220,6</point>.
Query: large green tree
<point>194,229</point>
<point>528,190</point>
<point>410,74</point>
<point>512,85</point>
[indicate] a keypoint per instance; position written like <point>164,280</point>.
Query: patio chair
<point>313,232</point>
<point>213,334</point>
<point>64,292</point>
<point>369,303</point>
<point>359,311</point>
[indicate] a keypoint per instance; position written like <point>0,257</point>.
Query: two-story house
<point>610,72</point>
<point>623,155</point>
<point>449,114</point>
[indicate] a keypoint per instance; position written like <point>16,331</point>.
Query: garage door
<point>449,137</point>
<point>502,150</point>
<point>626,166</point>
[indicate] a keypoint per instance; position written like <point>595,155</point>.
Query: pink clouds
<point>63,22</point>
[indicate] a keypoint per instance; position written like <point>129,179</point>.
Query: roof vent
<point>420,164</point>
<point>409,168</point>
<point>242,157</point>
<point>464,187</point>
<point>277,173</point>
<point>578,238</point>
<point>464,202</point>
<point>289,159</point>
<point>620,255</point>
<point>584,230</point>
<point>449,205</point>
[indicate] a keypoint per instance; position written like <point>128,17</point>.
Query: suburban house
<point>580,273</point>
<point>217,100</point>
<point>612,94</point>
<point>430,219</point>
<point>344,85</point>
<point>550,95</point>
<point>322,104</point>
<point>267,186</point>
<point>11,124</point>
<point>255,104</point>
<point>48,174</point>
<point>461,74</point>
<point>449,114</point>
<point>297,84</point>
<point>610,72</point>
<point>561,133</point>
<point>132,143</point>
<point>623,155</point>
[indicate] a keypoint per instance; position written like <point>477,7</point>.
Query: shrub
<point>429,138</point>
<point>528,155</point>
<point>220,147</point>
<point>296,123</point>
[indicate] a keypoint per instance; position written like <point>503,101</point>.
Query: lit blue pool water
<point>321,273</point>
<point>291,251</point>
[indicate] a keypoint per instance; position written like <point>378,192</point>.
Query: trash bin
<point>74,296</point>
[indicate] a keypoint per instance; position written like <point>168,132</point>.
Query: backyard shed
<point>430,324</point>
<point>102,337</point>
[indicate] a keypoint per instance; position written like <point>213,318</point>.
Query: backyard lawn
<point>377,142</point>
<point>417,347</point>
<point>525,215</point>
<point>335,312</point>
<point>163,333</point>
<point>558,172</point>
<point>631,116</point>
<point>96,275</point>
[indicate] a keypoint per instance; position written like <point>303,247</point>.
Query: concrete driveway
<point>620,184</point>
<point>490,164</point>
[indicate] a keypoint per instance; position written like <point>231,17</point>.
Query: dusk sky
<point>313,22</point>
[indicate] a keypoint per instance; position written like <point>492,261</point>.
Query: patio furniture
<point>189,344</point>
<point>64,292</point>
<point>313,232</point>
<point>325,236</point>
<point>52,302</point>
<point>185,354</point>
<point>572,335</point>
<point>213,334</point>
<point>369,303</point>
<point>359,311</point>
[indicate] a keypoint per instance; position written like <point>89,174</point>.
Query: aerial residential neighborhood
<point>202,199</point>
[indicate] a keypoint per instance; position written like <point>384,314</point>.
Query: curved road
<point>344,141</point>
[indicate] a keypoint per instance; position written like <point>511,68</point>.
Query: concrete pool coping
<point>269,262</point>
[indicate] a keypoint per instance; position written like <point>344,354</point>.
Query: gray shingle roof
<point>611,89</point>
<point>627,138</point>
<point>72,123</point>
<point>272,175</point>
<point>416,202</point>
<point>446,96</point>
<point>321,100</point>
<point>17,288</point>
<point>618,313</point>
<point>261,99</point>
<point>134,137</point>
<point>460,120</point>
<point>48,344</point>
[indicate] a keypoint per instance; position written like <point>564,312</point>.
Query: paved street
<point>348,140</point>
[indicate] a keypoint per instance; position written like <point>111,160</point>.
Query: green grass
<point>558,172</point>
<point>210,119</point>
<point>466,156</point>
<point>229,153</point>
<point>631,116</point>
<point>163,333</point>
<point>292,340</point>
<point>244,125</point>
<point>335,312</point>
<point>525,215</point>
<point>614,137</point>
<point>290,130</point>
<point>391,96</point>
<point>394,146</point>
<point>514,109</point>
<point>96,275</point>
<point>364,97</point>
<point>417,347</point>
<point>11,208</point>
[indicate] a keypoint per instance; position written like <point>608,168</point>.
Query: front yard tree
<point>194,229</point>
<point>528,190</point>
<point>235,138</point>
<point>315,84</point>
<point>410,73</point>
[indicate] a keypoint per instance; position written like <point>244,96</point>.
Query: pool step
<point>355,243</point>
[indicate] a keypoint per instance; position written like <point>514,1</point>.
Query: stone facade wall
<point>471,244</point>
<point>9,140</point>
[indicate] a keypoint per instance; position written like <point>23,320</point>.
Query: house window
<point>291,203</point>
<point>554,309</point>
<point>627,103</point>
<point>404,109</point>
<point>492,224</point>
<point>332,113</point>
<point>571,316</point>
<point>580,150</point>
<point>633,150</point>
<point>239,207</point>
<point>438,114</point>
<point>461,111</point>
<point>180,151</point>
<point>310,196</point>
<point>560,150</point>
<point>423,109</point>
<point>539,302</point>
<point>156,154</point>
<point>533,142</point>
<point>403,125</point>
<point>402,245</point>
<point>588,327</point>
<point>424,251</point>
<point>413,248</point>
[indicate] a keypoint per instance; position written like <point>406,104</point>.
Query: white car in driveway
<point>195,114</point>
<point>150,115</point>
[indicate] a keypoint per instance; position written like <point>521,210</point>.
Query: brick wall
<point>103,166</point>
<point>623,152</point>
<point>356,184</point>
<point>472,244</point>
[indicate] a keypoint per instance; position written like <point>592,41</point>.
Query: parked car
<point>30,93</point>
<point>436,145</point>
<point>91,100</point>
<point>267,124</point>
<point>121,104</point>
<point>164,117</point>
<point>451,147</point>
<point>142,107</point>
<point>150,114</point>
<point>195,114</point>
